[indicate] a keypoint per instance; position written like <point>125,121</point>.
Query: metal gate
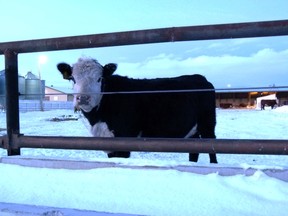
<point>14,141</point>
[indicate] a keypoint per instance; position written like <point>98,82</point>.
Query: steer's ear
<point>109,69</point>
<point>66,70</point>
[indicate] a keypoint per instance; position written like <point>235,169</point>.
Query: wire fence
<point>34,105</point>
<point>46,104</point>
<point>217,90</point>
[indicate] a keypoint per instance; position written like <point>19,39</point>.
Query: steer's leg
<point>207,118</point>
<point>213,158</point>
<point>207,131</point>
<point>120,154</point>
<point>193,157</point>
<point>101,129</point>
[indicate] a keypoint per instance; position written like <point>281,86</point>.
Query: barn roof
<point>61,89</point>
<point>254,89</point>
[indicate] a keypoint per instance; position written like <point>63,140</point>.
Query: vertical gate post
<point>12,100</point>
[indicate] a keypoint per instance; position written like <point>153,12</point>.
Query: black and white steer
<point>160,115</point>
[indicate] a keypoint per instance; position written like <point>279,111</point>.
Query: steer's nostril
<point>83,99</point>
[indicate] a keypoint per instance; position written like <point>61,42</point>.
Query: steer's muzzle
<point>83,99</point>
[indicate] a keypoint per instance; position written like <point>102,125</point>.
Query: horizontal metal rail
<point>173,34</point>
<point>225,146</point>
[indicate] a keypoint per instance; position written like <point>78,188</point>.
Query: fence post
<point>12,100</point>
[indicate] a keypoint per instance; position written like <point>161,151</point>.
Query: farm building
<point>247,98</point>
<point>282,97</point>
<point>261,102</point>
<point>58,94</point>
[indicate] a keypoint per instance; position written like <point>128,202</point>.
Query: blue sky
<point>237,63</point>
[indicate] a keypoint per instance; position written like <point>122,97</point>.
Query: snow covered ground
<point>150,191</point>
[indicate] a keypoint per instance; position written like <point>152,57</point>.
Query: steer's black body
<point>156,115</point>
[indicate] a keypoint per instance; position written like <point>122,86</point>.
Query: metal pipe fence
<point>174,34</point>
<point>176,145</point>
<point>14,141</point>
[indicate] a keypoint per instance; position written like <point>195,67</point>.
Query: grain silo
<point>21,86</point>
<point>2,82</point>
<point>33,87</point>
<point>2,88</point>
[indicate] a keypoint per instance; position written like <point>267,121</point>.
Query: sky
<point>249,62</point>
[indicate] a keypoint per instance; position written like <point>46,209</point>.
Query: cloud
<point>260,68</point>
<point>263,68</point>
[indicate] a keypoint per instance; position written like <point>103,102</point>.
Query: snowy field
<point>231,124</point>
<point>151,192</point>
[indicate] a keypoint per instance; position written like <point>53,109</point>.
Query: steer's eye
<point>99,80</point>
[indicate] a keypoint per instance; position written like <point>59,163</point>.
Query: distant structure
<point>248,98</point>
<point>2,89</point>
<point>269,100</point>
<point>34,88</point>
<point>58,93</point>
<point>30,87</point>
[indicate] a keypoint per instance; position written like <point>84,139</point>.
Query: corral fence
<point>34,105</point>
<point>14,140</point>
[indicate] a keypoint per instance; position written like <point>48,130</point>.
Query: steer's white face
<point>87,73</point>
